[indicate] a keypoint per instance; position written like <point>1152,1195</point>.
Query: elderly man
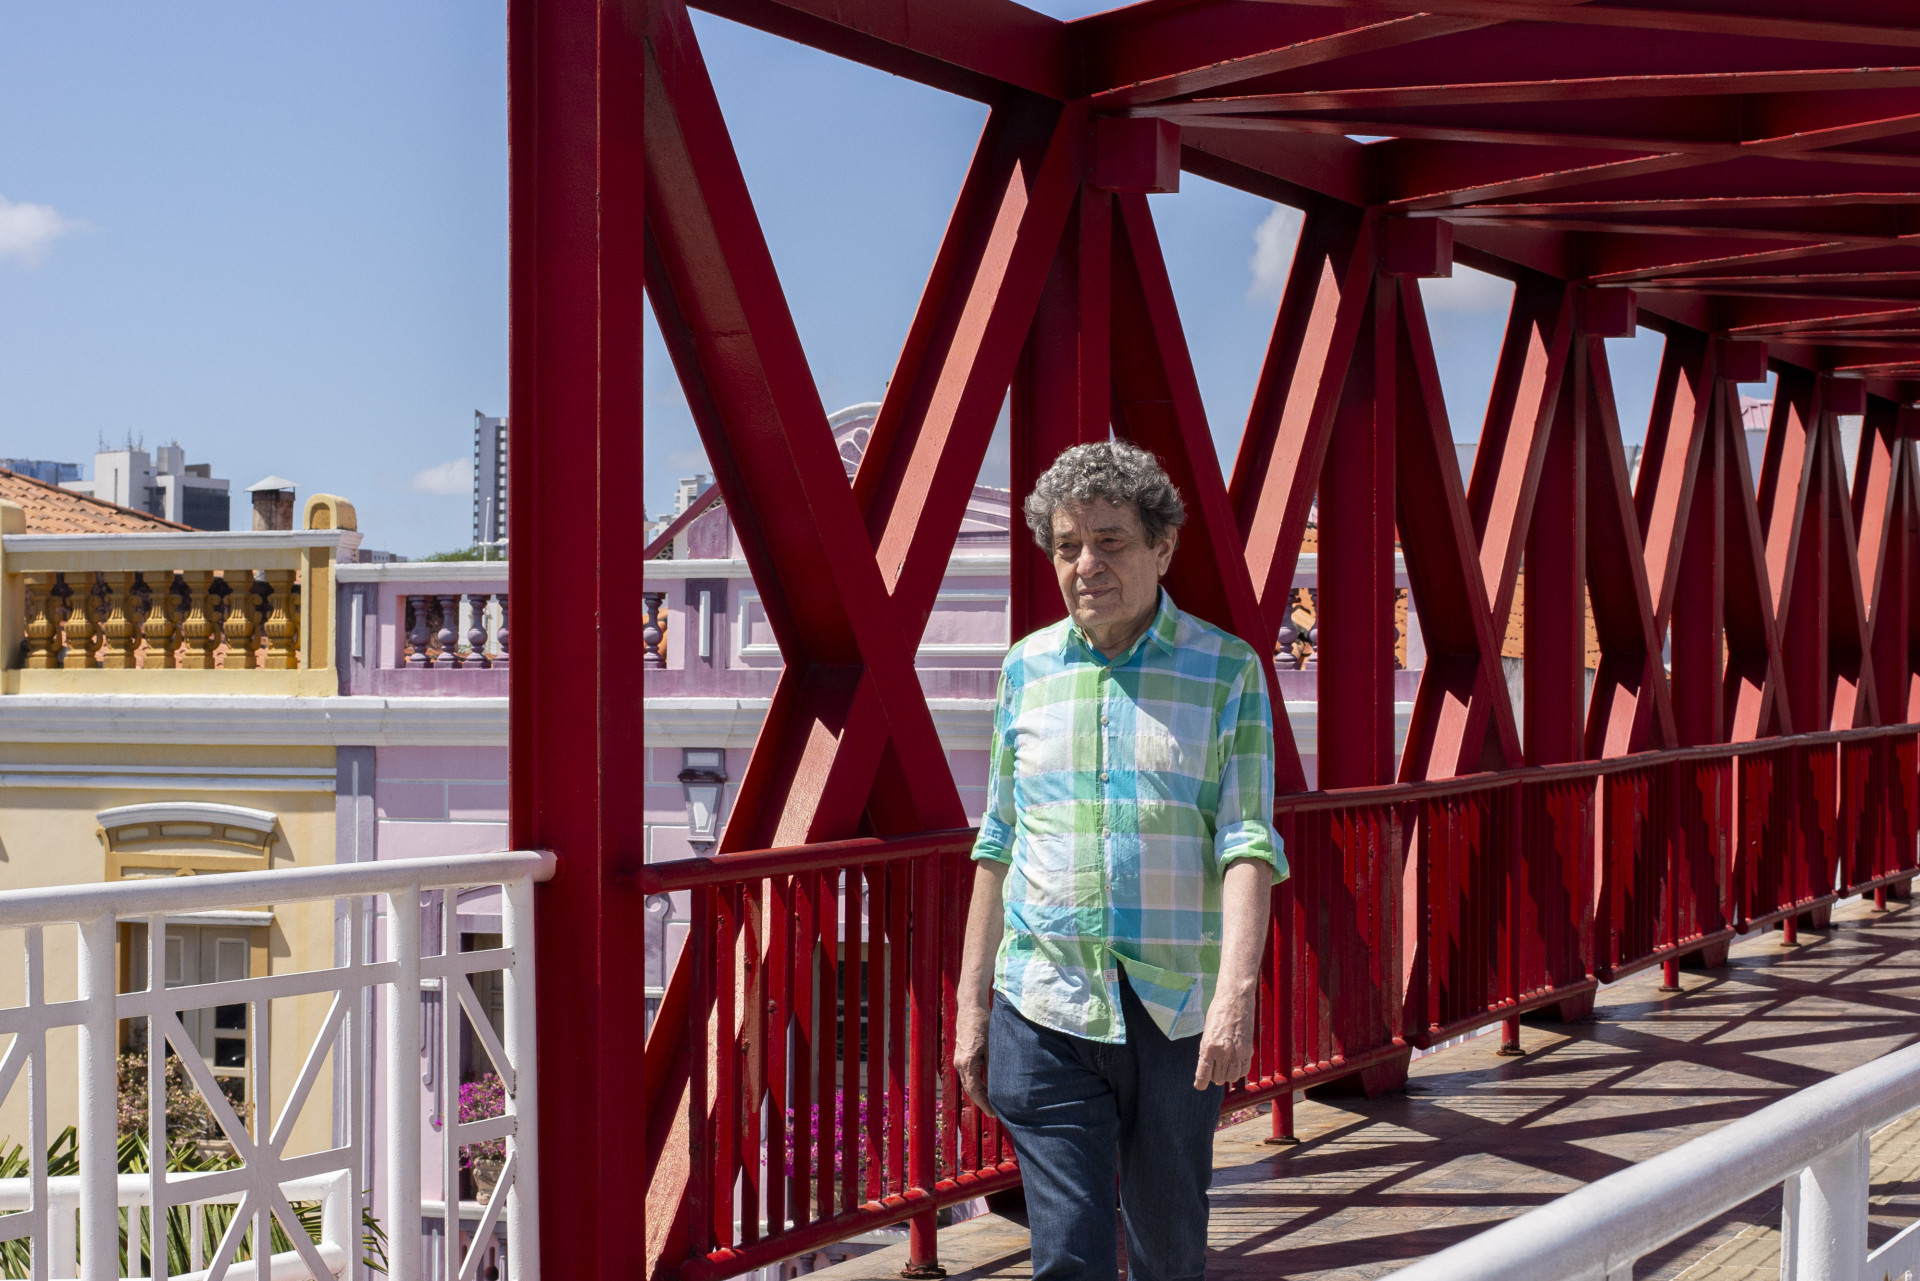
<point>1121,884</point>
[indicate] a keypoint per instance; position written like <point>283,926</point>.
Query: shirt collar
<point>1163,631</point>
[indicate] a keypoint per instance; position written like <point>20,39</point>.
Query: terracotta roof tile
<point>53,510</point>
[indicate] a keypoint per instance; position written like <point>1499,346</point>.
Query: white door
<point>199,954</point>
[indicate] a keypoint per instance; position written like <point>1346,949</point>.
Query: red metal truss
<point>1741,175</point>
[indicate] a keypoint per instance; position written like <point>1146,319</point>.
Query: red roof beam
<point>975,48</point>
<point>1879,22</point>
<point>1864,320</point>
<point>1728,126</point>
<point>1151,52</point>
<point>1571,89</point>
<point>1419,173</point>
<point>1812,175</point>
<point>1807,235</point>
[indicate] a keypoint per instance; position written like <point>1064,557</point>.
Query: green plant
<point>186,1157</point>
<point>466,553</point>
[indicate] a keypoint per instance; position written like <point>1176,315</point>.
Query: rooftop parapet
<point>425,627</point>
<point>190,612</point>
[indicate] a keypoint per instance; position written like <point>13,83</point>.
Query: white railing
<point>339,1226</point>
<point>1816,1143</point>
<point>381,956</point>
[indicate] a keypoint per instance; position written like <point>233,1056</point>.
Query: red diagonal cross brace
<point>847,575</point>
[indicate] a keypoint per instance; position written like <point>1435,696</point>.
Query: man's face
<point>1109,573</point>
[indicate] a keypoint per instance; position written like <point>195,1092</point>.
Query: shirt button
<point>1103,720</point>
<point>1103,776</point>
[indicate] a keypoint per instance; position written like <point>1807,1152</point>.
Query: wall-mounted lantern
<point>703,777</point>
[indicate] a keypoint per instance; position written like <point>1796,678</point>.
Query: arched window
<point>185,838</point>
<point>179,838</point>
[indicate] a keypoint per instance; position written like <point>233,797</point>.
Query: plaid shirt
<point>1119,792</point>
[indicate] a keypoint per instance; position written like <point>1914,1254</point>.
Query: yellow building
<point>161,693</point>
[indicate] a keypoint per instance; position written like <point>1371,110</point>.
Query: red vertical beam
<point>1698,602</point>
<point>1520,411</point>
<point>575,85</point>
<point>1462,720</point>
<point>937,417</point>
<point>1277,470</point>
<point>1157,405</point>
<point>1554,611</point>
<point>1873,481</point>
<point>1884,497</point>
<point>1912,589</point>
<point>1630,708</point>
<point>1851,695</point>
<point>1679,501</point>
<point>1670,459</point>
<point>1784,471</point>
<point>1892,573</point>
<point>1754,691</point>
<point>1060,391</point>
<point>1527,414</point>
<point>726,324</point>
<point>1793,496</point>
<point>1355,615</point>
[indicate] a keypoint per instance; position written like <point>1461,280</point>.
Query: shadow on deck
<point>1477,1138</point>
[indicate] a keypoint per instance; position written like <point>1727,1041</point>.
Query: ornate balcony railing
<point>173,612</point>
<point>382,965</point>
<point>425,627</point>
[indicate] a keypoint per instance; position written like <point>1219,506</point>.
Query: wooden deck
<point>1476,1138</point>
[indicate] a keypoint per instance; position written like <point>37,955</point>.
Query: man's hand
<point>1226,1046</point>
<point>970,1053</point>
<point>986,915</point>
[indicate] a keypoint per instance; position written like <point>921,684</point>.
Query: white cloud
<point>1274,241</point>
<point>27,229</point>
<point>1466,290</point>
<point>455,476</point>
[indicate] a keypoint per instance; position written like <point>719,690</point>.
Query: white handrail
<point>267,1176</point>
<point>338,1225</point>
<point>213,891</point>
<point>1813,1141</point>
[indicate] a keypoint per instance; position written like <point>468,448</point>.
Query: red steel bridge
<point>1742,176</point>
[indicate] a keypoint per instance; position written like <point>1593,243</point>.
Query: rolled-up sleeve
<point>995,841</point>
<point>1243,821</point>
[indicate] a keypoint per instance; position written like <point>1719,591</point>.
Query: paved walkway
<point>1477,1138</point>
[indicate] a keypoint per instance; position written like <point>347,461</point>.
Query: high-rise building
<point>42,469</point>
<point>162,484</point>
<point>489,479</point>
<point>691,487</point>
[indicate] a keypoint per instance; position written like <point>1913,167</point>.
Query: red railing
<point>822,978</point>
<point>822,1020</point>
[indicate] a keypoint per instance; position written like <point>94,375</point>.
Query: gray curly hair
<point>1121,473</point>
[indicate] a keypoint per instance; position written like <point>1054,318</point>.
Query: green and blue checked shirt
<point>1120,790</point>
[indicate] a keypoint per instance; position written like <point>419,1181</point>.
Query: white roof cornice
<point>248,720</point>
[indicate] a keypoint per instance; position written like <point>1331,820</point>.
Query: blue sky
<point>278,234</point>
<point>281,236</point>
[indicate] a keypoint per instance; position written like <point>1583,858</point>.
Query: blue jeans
<point>1081,1112</point>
